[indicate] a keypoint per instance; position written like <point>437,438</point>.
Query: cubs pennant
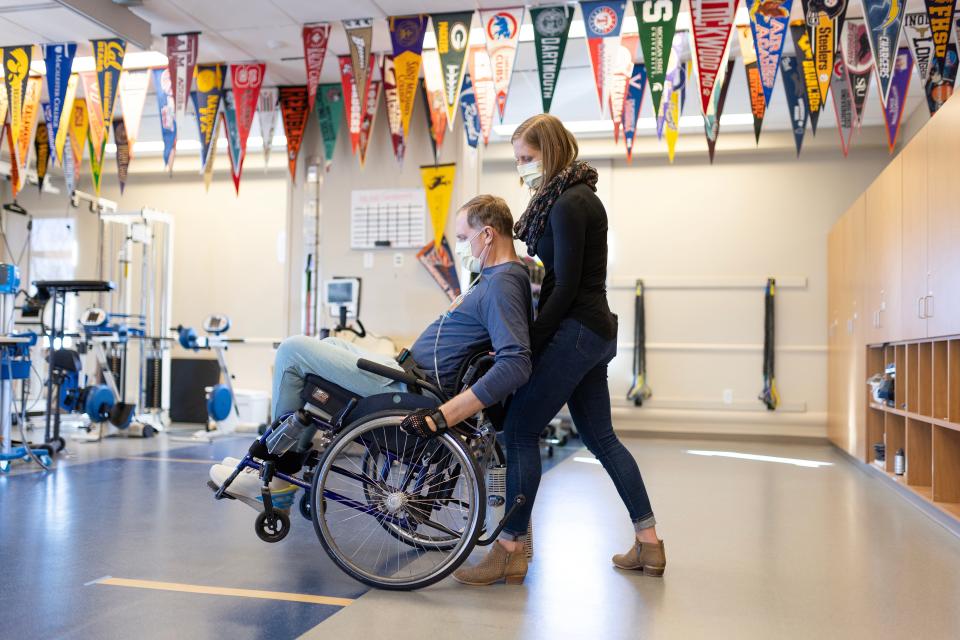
<point>406,36</point>
<point>858,59</point>
<point>808,71</point>
<point>352,102</point>
<point>501,27</point>
<point>748,52</point>
<point>551,27</point>
<point>294,105</point>
<point>452,31</point>
<point>795,89</point>
<point>603,21</point>
<point>168,115</point>
<point>484,91</point>
<point>770,22</point>
<point>181,62</point>
<point>843,104</point>
<point>392,103</point>
<point>58,59</point>
<point>469,113</point>
<point>315,38</point>
<point>916,30</point>
<point>267,116</point>
<point>329,114</point>
<point>712,21</point>
<point>656,22</point>
<point>884,23</point>
<point>631,106</point>
<point>359,36</point>
<point>897,98</point>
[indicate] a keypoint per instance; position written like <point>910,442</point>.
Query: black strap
<point>639,390</point>
<point>769,396</point>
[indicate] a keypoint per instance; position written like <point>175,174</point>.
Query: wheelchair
<point>391,510</point>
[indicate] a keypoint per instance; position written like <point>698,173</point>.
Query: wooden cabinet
<point>914,285</point>
<point>882,276</point>
<point>942,306</point>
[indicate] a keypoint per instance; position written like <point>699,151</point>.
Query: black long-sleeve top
<point>573,249</point>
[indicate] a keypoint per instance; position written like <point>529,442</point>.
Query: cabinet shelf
<point>946,424</point>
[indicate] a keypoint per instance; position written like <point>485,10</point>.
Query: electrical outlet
<point>398,260</point>
<point>728,396</point>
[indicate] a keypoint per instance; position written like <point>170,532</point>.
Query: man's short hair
<point>489,211</point>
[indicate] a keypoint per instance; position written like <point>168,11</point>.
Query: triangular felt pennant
<point>483,90</point>
<point>620,78</point>
<point>4,107</point>
<point>770,21</point>
<point>181,61</point>
<point>808,71</point>
<point>28,126</point>
<point>392,103</point>
<point>711,121</point>
<point>916,29</point>
<point>246,81</point>
<point>824,21</point>
<point>351,101</point>
<point>438,184</point>
<point>208,168</point>
<point>433,132</point>
<point>857,57</point>
<point>168,115</point>
<point>108,54</point>
<point>941,80</point>
<point>884,23</point>
<point>897,98</point>
<point>795,89</point>
<point>469,113</point>
<point>133,95</point>
<point>234,148</point>
<point>79,126</point>
<point>14,169</point>
<point>47,111</point>
<point>452,31</point>
<point>42,149</point>
<point>66,112</point>
<point>433,92</point>
<point>656,22</point>
<point>206,103</point>
<point>675,80</point>
<point>631,106</point>
<point>359,37</point>
<point>406,36</point>
<point>941,25</point>
<point>123,152</point>
<point>369,118</point>
<point>16,70</point>
<point>96,165</point>
<point>501,28</point>
<point>91,93</point>
<point>748,53</point>
<point>294,106</point>
<point>69,166</point>
<point>603,21</point>
<point>267,115</point>
<point>315,39</point>
<point>551,27</point>
<point>843,104</point>
<point>672,123</point>
<point>712,21</point>
<point>329,114</point>
<point>58,60</point>
<point>438,261</point>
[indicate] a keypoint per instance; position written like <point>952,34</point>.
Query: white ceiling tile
<point>12,34</point>
<point>235,14</point>
<point>302,11</point>
<point>58,24</point>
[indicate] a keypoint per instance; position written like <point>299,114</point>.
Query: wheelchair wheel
<point>403,525</point>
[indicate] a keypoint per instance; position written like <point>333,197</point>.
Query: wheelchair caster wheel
<point>60,443</point>
<point>305,505</point>
<point>275,530</point>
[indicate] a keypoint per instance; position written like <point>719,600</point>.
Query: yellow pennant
<point>673,123</point>
<point>79,124</point>
<point>438,183</point>
<point>208,169</point>
<point>14,171</point>
<point>3,105</point>
<point>16,69</point>
<point>28,126</point>
<point>65,115</point>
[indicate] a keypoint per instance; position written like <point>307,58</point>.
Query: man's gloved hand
<point>417,424</point>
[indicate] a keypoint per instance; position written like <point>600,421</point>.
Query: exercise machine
<point>342,298</point>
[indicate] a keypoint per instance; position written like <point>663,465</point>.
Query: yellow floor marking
<point>154,459</point>
<point>224,591</point>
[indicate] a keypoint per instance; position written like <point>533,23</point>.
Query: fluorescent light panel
<point>133,60</point>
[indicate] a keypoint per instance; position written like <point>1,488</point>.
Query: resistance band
<point>639,391</point>
<point>769,396</point>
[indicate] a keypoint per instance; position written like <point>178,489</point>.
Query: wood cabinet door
<point>854,355</point>
<point>913,280</point>
<point>943,185</point>
<point>883,216</point>
<point>836,285</point>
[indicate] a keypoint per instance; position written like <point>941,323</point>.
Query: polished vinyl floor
<point>125,541</point>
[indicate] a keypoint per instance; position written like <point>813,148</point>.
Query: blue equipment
<point>221,399</point>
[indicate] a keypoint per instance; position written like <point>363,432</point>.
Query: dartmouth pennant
<point>551,26</point>
<point>631,106</point>
<point>453,35</point>
<point>808,71</point>
<point>897,98</point>
<point>329,115</point>
<point>656,21</point>
<point>795,89</point>
<point>857,57</point>
<point>603,21</point>
<point>916,29</point>
<point>406,36</point>
<point>469,113</point>
<point>295,107</point>
<point>884,23</point>
<point>748,52</point>
<point>712,21</point>
<point>770,21</point>
<point>392,104</point>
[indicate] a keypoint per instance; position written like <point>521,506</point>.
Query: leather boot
<point>647,557</point>
<point>499,564</point>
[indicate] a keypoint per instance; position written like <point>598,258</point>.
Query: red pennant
<point>246,80</point>
<point>712,21</point>
<point>351,101</point>
<point>369,113</point>
<point>181,61</point>
<point>295,108</point>
<point>315,38</point>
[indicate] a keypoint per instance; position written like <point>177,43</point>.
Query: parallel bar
<point>223,591</point>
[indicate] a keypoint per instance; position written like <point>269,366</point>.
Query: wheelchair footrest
<point>215,488</point>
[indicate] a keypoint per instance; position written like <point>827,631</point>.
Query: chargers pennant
<point>656,22</point>
<point>551,27</point>
<point>884,24</point>
<point>919,36</point>
<point>808,71</point>
<point>392,104</point>
<point>795,89</point>
<point>712,21</point>
<point>315,38</point>
<point>406,36</point>
<point>501,27</point>
<point>770,22</point>
<point>758,105</point>
<point>897,98</point>
<point>469,113</point>
<point>167,111</point>
<point>294,106</point>
<point>452,31</point>
<point>329,115</point>
<point>631,106</point>
<point>603,21</point>
<point>858,59</point>
<point>58,59</point>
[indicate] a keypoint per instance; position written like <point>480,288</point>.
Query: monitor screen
<point>340,292</point>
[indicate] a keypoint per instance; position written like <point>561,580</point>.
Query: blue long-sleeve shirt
<point>493,314</point>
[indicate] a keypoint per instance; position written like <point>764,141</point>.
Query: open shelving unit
<point>924,420</point>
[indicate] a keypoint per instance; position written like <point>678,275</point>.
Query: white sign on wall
<point>387,219</point>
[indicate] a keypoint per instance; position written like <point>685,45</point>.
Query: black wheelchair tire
<point>305,505</point>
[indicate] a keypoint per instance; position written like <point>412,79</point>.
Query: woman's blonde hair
<point>557,146</point>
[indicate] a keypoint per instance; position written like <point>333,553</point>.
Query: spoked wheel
<point>395,511</point>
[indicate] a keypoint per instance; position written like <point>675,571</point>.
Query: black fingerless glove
<point>415,424</point>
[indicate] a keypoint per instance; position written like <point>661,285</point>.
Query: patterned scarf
<point>531,224</point>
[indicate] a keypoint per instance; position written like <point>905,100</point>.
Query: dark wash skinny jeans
<point>571,369</point>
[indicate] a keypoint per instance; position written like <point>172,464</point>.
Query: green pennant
<point>657,22</point>
<point>551,26</point>
<point>329,114</point>
<point>453,34</point>
<point>96,166</point>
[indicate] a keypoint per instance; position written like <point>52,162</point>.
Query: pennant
<point>711,120</point>
<point>551,27</point>
<point>438,184</point>
<point>79,126</point>
<point>208,169</point>
<point>315,38</point>
<point>329,115</point>
<point>246,81</point>
<point>675,79</point>
<point>3,107</point>
<point>438,261</point>
<point>824,22</point>
<point>267,115</point>
<point>168,115</point>
<point>631,106</point>
<point>96,164</point>
<point>602,20</point>
<point>808,71</point>
<point>66,112</point>
<point>843,104</point>
<point>68,160</point>
<point>91,93</point>
<point>181,63</point>
<point>940,13</point>
<point>884,23</point>
<point>769,21</point>
<point>369,117</point>
<point>295,108</point>
<point>133,95</point>
<point>501,27</point>
<point>452,31</point>
<point>941,80</point>
<point>484,92</point>
<point>351,100</point>
<point>712,21</point>
<point>58,59</point>
<point>392,102</point>
<point>795,89</point>
<point>748,52</point>
<point>16,70</point>
<point>672,123</point>
<point>14,165</point>
<point>897,98</point>
<point>620,78</point>
<point>232,127</point>
<point>858,59</point>
<point>123,151</point>
<point>47,111</point>
<point>656,22</point>
<point>206,104</point>
<point>42,148</point>
<point>108,54</point>
<point>433,132</point>
<point>433,93</point>
<point>469,113</point>
<point>28,127</point>
<point>359,37</point>
<point>916,29</point>
<point>406,36</point>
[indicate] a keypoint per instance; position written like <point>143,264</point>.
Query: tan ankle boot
<point>498,565</point>
<point>648,557</point>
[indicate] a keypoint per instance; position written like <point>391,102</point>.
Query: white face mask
<point>464,251</point>
<point>531,173</point>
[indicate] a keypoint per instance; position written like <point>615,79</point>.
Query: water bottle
<point>899,463</point>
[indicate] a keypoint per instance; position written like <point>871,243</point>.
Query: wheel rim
<point>428,494</point>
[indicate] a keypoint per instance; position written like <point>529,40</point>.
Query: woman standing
<point>574,338</point>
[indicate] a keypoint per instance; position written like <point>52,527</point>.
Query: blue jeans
<point>332,359</point>
<point>571,369</point>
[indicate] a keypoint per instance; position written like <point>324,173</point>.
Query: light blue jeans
<point>331,358</point>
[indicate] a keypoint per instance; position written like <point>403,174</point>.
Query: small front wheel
<point>272,529</point>
<point>305,505</point>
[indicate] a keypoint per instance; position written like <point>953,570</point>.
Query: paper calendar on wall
<point>387,218</point>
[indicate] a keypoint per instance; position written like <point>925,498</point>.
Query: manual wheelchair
<point>392,510</point>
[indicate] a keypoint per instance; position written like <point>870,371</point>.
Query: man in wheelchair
<point>493,314</point>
